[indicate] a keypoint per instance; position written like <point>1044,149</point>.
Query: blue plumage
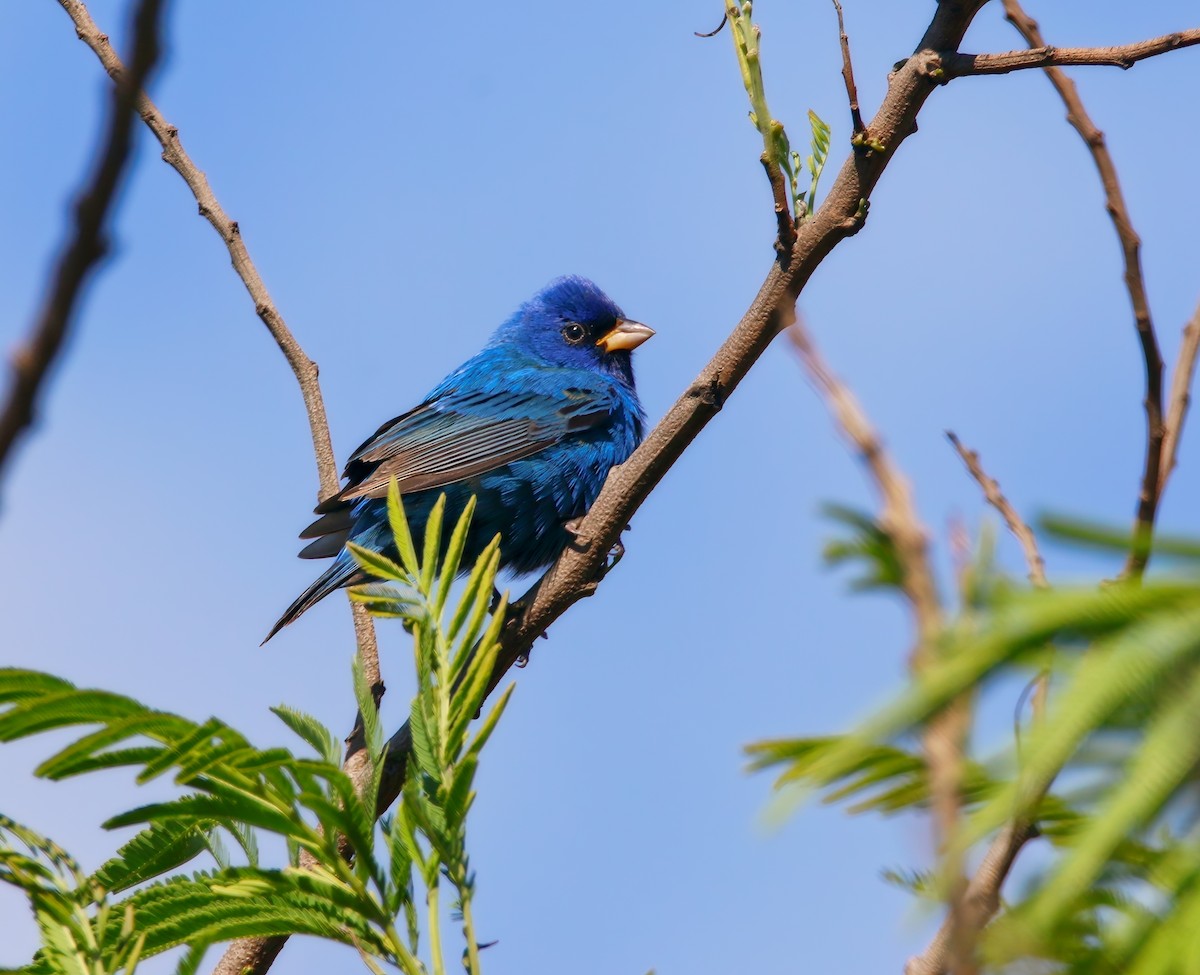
<point>531,425</point>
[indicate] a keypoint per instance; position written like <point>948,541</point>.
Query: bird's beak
<point>624,335</point>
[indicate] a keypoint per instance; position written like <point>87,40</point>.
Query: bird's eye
<point>574,333</point>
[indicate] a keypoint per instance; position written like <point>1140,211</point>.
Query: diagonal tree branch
<point>945,736</point>
<point>1028,542</point>
<point>1079,119</point>
<point>1180,398</point>
<point>899,518</point>
<point>246,953</point>
<point>302,366</point>
<point>228,230</point>
<point>1040,55</point>
<point>981,900</point>
<point>995,497</point>
<point>33,360</point>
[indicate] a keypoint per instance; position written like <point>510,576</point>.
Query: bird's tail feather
<point>341,573</point>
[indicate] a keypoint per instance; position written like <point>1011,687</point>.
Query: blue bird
<point>531,426</point>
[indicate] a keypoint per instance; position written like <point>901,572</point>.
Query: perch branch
<point>33,359</point>
<point>995,497</point>
<point>1114,199</point>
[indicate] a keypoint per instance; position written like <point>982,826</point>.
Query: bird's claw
<point>577,541</point>
<point>615,554</point>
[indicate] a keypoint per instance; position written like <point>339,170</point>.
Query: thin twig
<point>32,361</point>
<point>785,224</point>
<point>254,952</point>
<point>982,899</point>
<point>1079,119</point>
<point>1180,397</point>
<point>860,130</point>
<point>995,497</point>
<point>1024,535</point>
<point>945,735</point>
<point>899,517</point>
<point>716,30</point>
<point>228,230</point>
<point>1040,55</point>
<point>302,366</point>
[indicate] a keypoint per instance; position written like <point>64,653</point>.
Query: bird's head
<point>571,323</point>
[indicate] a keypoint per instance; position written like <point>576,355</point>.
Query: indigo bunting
<point>530,426</point>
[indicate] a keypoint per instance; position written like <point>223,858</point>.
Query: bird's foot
<point>577,541</point>
<point>522,660</point>
<point>615,554</point>
<point>581,543</point>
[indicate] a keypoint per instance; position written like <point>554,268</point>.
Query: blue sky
<point>404,177</point>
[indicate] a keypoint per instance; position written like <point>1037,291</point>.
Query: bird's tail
<point>343,572</point>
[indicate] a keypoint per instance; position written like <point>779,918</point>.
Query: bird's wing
<point>462,433</point>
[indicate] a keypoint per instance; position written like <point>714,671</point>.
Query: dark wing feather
<point>447,452</point>
<point>459,436</point>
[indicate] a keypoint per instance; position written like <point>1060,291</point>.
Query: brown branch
<point>995,497</point>
<point>1024,535</point>
<point>898,518</point>
<point>1079,119</point>
<point>980,900</point>
<point>945,735</point>
<point>32,361</point>
<point>1180,397</point>
<point>1040,55</point>
<point>302,366</point>
<point>251,952</point>
<point>860,130</point>
<point>785,224</point>
<point>228,230</point>
<point>982,897</point>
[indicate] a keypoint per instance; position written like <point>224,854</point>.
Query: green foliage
<point>455,659</point>
<point>867,545</point>
<point>81,933</point>
<point>232,788</point>
<point>777,151</point>
<point>817,157</point>
<point>1108,774</point>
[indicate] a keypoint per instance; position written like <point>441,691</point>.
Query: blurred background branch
<point>1114,200</point>
<point>34,358</point>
